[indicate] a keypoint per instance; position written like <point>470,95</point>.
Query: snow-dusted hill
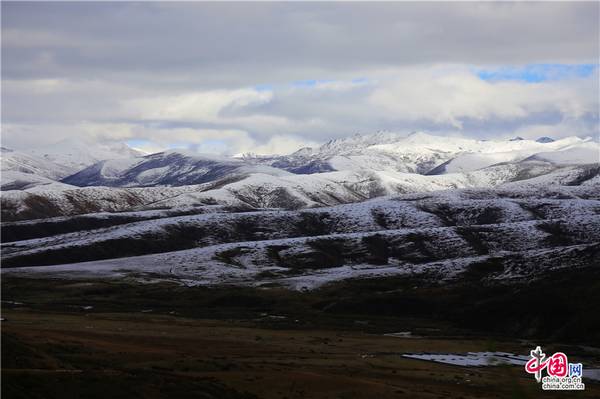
<point>46,166</point>
<point>77,154</point>
<point>14,180</point>
<point>278,190</point>
<point>20,162</point>
<point>502,234</point>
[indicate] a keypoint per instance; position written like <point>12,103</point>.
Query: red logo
<point>556,365</point>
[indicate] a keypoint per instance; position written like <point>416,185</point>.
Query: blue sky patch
<point>263,87</point>
<point>536,73</point>
<point>310,82</point>
<point>360,80</point>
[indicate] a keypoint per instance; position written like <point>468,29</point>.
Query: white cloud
<point>450,96</point>
<point>230,73</point>
<point>281,145</point>
<point>287,117</point>
<point>195,106</point>
<point>564,128</point>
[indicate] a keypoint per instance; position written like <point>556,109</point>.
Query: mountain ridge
<point>341,171</point>
<point>417,152</point>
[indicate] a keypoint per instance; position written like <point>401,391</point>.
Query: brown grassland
<point>258,344</point>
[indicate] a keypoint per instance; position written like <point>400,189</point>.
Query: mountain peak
<point>545,139</point>
<point>304,151</point>
<point>358,141</point>
<point>517,138</point>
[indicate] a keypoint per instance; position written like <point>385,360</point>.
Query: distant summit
<point>518,138</point>
<point>545,139</point>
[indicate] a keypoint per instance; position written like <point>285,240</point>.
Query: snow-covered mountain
<point>77,154</point>
<point>21,171</point>
<point>383,152</point>
<point>46,166</point>
<point>587,152</point>
<point>417,153</point>
<point>169,168</point>
<point>18,161</point>
<point>340,171</point>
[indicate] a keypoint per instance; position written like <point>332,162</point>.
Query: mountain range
<point>77,176</point>
<point>374,206</point>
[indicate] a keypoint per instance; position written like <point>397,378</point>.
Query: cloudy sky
<point>273,77</point>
